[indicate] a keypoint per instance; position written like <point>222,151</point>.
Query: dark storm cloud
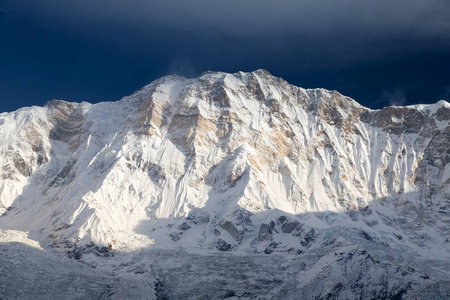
<point>373,51</point>
<point>427,17</point>
<point>410,18</point>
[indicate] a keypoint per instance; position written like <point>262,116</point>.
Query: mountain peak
<point>243,163</point>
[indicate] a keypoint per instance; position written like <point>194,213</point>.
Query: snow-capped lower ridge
<point>236,186</point>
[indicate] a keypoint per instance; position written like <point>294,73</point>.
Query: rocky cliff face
<point>242,163</point>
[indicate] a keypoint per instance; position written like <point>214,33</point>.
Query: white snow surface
<point>241,165</point>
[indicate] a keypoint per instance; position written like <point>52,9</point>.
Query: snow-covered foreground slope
<point>237,180</point>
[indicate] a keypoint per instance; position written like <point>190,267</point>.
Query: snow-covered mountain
<point>300,192</point>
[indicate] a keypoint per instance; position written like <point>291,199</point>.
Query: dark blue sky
<point>377,52</point>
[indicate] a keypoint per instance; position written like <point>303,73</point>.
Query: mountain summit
<point>340,201</point>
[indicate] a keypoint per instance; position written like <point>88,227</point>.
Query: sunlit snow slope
<point>314,195</point>
<point>209,163</point>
